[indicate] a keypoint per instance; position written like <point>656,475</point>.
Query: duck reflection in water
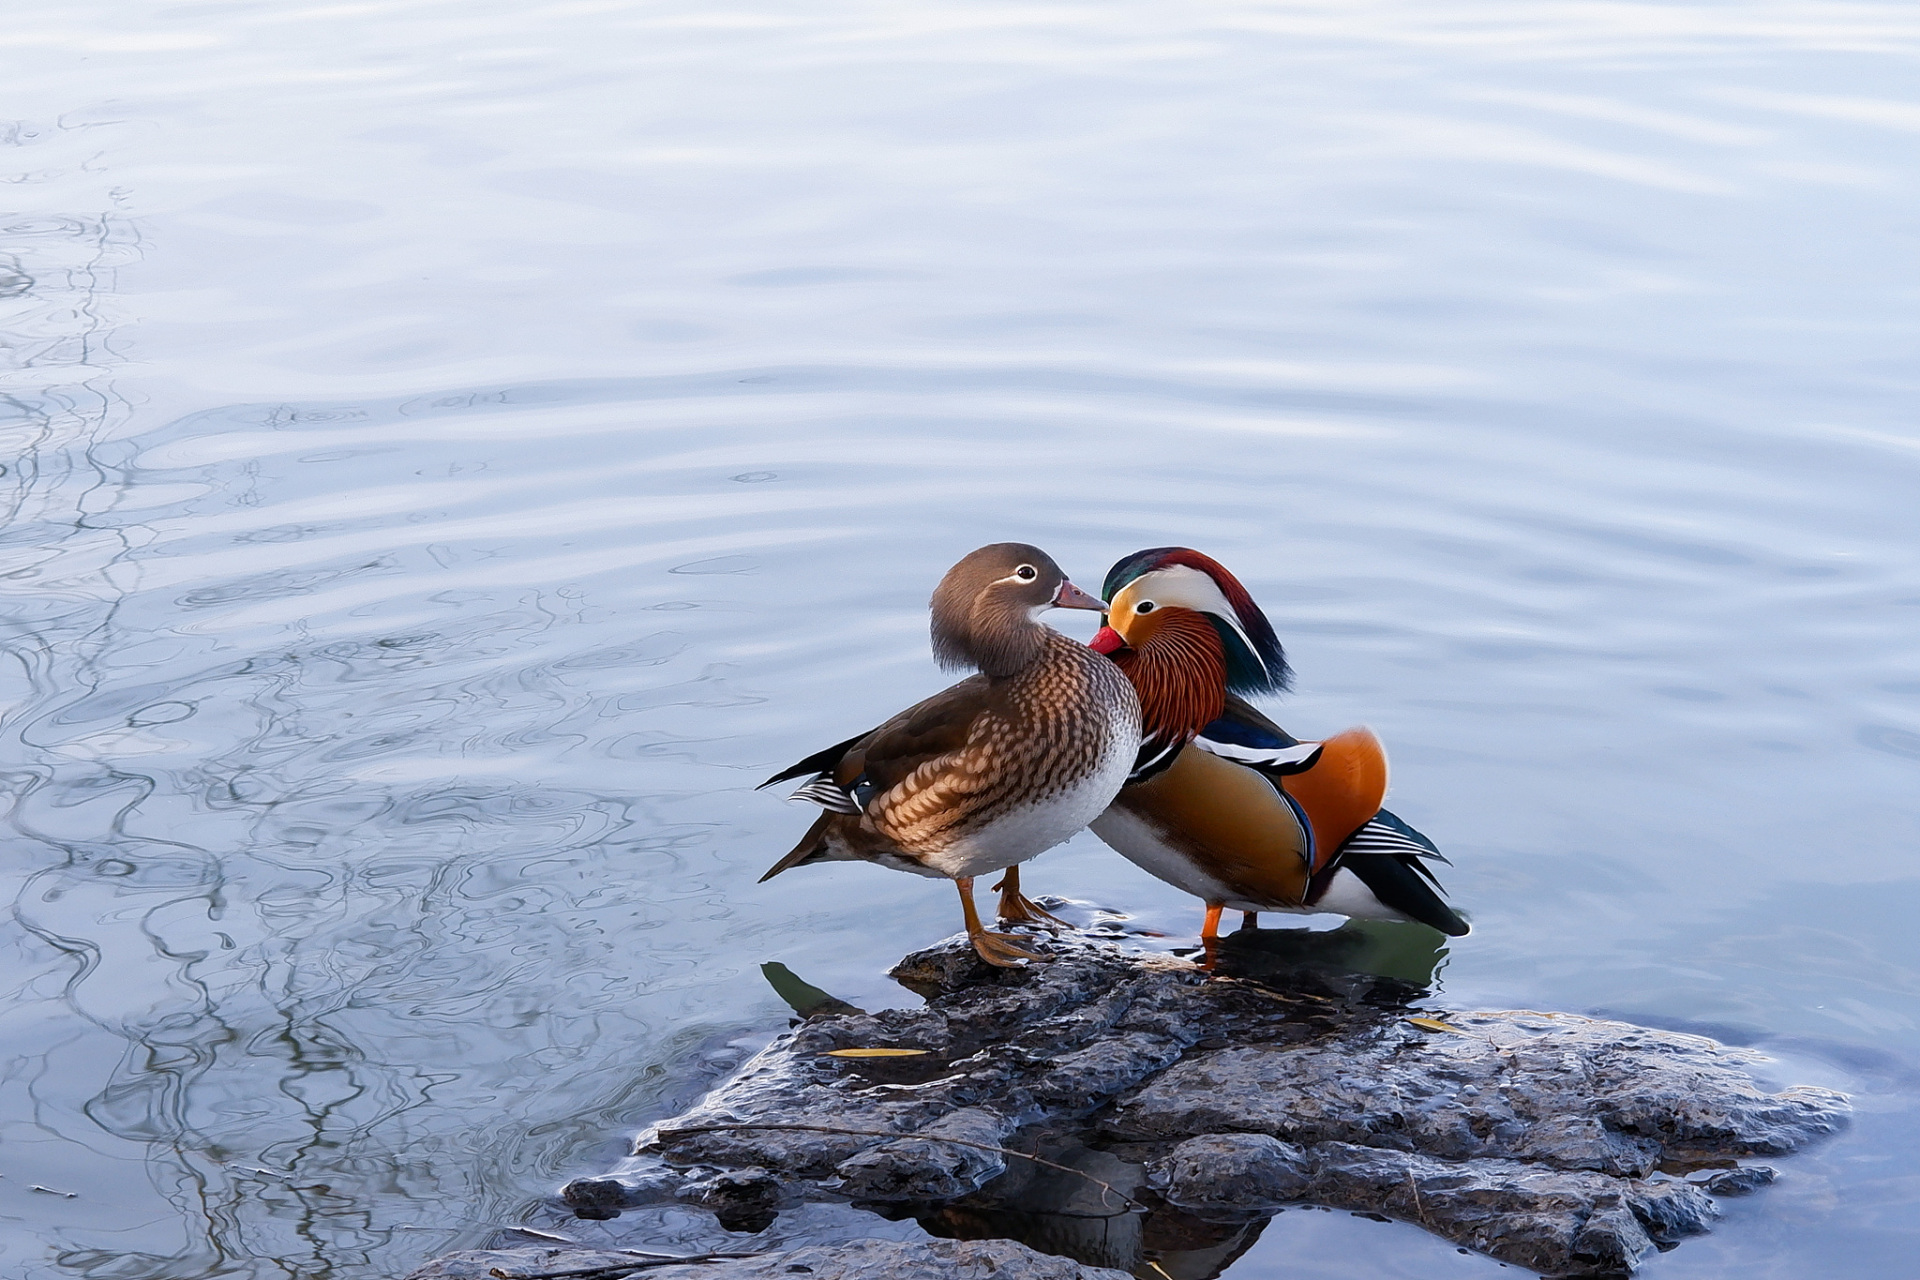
<point>1374,961</point>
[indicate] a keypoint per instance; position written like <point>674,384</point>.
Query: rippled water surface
<point>454,450</point>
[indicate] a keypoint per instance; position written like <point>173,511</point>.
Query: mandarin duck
<point>1224,803</point>
<point>996,769</point>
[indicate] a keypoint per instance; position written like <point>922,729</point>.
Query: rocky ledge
<point>1127,1111</point>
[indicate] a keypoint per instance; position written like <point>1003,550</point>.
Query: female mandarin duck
<point>1000,767</point>
<point>1252,819</point>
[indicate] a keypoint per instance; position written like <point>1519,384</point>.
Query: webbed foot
<point>997,949</point>
<point>1002,949</point>
<point>1018,908</point>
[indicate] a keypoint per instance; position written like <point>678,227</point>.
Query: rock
<point>1740,1182</point>
<point>1168,1110</point>
<point>1232,1173</point>
<point>916,1169</point>
<point>1555,1089</point>
<point>856,1260</point>
<point>745,1200</point>
<point>599,1199</point>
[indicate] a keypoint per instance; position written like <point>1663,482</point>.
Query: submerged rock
<point>1170,1114</point>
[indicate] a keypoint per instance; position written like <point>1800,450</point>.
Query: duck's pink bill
<point>1072,597</point>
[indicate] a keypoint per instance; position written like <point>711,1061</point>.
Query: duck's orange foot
<point>1018,908</point>
<point>1210,938</point>
<point>995,948</point>
<point>1024,910</point>
<point>1001,949</point>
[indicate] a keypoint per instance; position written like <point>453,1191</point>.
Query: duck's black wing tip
<point>1398,883</point>
<point>822,761</point>
<point>1390,857</point>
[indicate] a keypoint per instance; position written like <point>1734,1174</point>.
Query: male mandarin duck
<point>1223,803</point>
<point>1000,767</point>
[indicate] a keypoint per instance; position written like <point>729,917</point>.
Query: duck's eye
<point>1026,573</point>
<point>1145,606</point>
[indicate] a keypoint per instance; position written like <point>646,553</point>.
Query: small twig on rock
<point>1105,1187</point>
<point>49,1191</point>
<point>1418,1208</point>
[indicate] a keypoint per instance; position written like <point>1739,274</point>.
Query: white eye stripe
<point>1025,573</point>
<point>1185,587</point>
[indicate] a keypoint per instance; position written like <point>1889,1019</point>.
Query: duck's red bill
<point>1107,640</point>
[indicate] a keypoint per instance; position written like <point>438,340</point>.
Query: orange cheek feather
<point>1342,790</point>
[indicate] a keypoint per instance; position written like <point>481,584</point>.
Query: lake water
<point>454,450</point>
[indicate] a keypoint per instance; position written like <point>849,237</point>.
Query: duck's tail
<point>813,847</point>
<point>1390,858</point>
<point>1401,884</point>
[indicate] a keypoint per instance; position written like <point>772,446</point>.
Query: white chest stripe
<point>1299,754</point>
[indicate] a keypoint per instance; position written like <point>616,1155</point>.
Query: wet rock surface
<point>1174,1114</point>
<point>1554,1089</point>
<point>855,1260</point>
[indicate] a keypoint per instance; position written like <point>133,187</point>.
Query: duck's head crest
<point>1180,577</point>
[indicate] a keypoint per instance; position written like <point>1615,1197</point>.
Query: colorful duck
<point>1224,803</point>
<point>1000,767</point>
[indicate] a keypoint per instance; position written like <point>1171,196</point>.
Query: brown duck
<point>1000,767</point>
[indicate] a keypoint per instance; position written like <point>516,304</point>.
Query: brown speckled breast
<point>1039,739</point>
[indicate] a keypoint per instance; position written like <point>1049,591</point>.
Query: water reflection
<point>1058,1213</point>
<point>1055,1212</point>
<point>1360,960</point>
